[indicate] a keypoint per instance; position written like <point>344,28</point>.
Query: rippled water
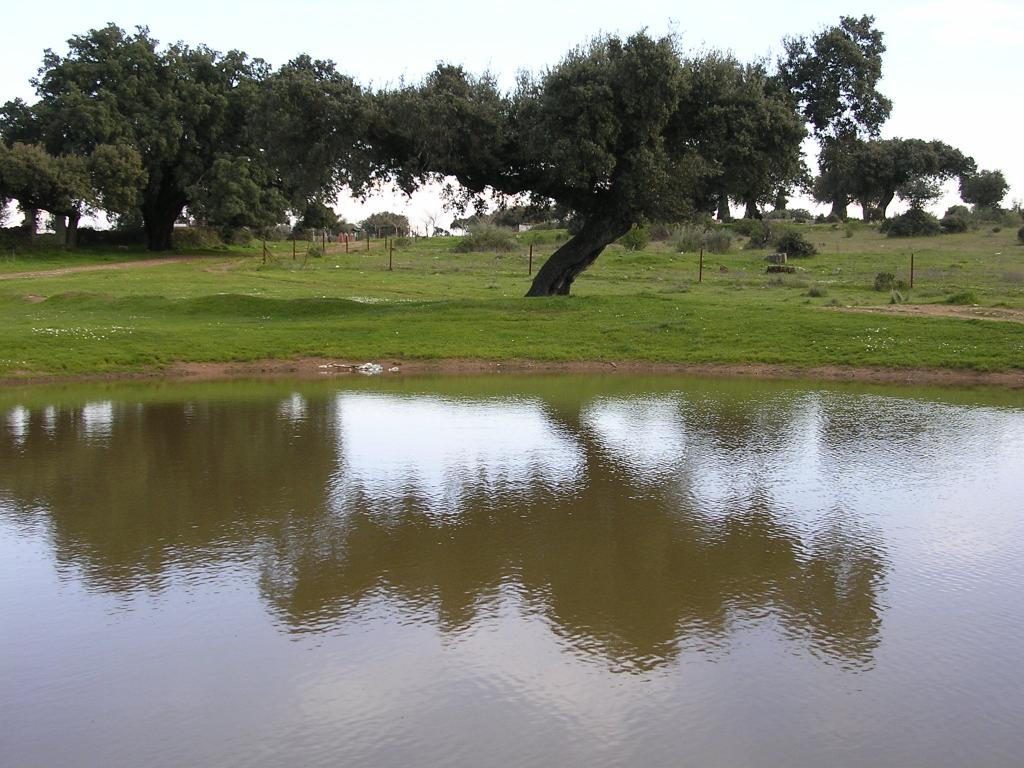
<point>511,572</point>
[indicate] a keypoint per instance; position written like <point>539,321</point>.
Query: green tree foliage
<point>914,223</point>
<point>833,76</point>
<point>309,122</point>
<point>217,133</point>
<point>745,123</point>
<point>911,168</point>
<point>612,133</point>
<point>316,215</point>
<point>984,189</point>
<point>385,223</point>
<point>70,185</point>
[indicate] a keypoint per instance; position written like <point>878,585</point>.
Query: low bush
<point>244,236</point>
<point>196,237</point>
<point>963,298</point>
<point>800,215</point>
<point>746,226</point>
<point>89,237</point>
<point>487,237</point>
<point>636,239</point>
<point>817,292</point>
<point>956,220</point>
<point>913,223</point>
<point>1020,235</point>
<point>885,281</point>
<point>760,237</point>
<point>718,241</point>
<point>794,245</point>
<point>690,239</point>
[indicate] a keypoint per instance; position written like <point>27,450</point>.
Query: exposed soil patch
<point>999,314</point>
<point>104,267</point>
<point>310,368</point>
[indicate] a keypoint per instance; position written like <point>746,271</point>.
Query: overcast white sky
<point>952,69</point>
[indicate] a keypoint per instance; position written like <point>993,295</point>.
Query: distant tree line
<point>619,133</point>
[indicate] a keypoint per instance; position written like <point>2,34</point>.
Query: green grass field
<point>631,306</point>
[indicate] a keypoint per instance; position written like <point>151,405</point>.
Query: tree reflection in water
<point>636,528</point>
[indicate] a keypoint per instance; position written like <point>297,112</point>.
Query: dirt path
<point>998,314</point>
<point>105,267</point>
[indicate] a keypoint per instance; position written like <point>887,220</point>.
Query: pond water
<point>511,571</point>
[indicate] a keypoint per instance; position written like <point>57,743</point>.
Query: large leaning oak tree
<point>608,133</point>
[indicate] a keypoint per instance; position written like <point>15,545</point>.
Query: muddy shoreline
<point>320,368</point>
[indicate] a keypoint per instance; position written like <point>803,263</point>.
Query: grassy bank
<point>439,304</point>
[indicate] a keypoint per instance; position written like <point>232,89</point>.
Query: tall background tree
<point>833,76</point>
<point>744,122</point>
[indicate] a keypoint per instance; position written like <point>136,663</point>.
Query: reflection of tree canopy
<point>619,568</point>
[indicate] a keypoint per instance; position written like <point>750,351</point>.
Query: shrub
<point>956,221</point>
<point>315,252</point>
<point>402,242</point>
<point>963,298</point>
<point>761,237</point>
<point>690,239</point>
<point>718,241</point>
<point>659,231</point>
<point>242,236</point>
<point>196,237</point>
<point>790,214</point>
<point>913,223</point>
<point>885,281</point>
<point>794,245</point>
<point>1020,235</point>
<point>817,292</point>
<point>486,237</point>
<point>636,239</point>
<point>746,226</point>
<point>111,237</point>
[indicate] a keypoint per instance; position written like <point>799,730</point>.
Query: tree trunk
<point>751,211</point>
<point>839,209</point>
<point>884,202</point>
<point>159,212</point>
<point>71,235</point>
<point>60,228</point>
<point>555,278</point>
<point>31,222</point>
<point>724,214</point>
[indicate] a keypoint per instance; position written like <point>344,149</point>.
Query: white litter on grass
<point>370,369</point>
<point>394,369</point>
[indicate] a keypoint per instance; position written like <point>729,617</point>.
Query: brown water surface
<point>511,571</point>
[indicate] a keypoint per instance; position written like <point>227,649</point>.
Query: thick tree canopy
<point>874,172</point>
<point>833,76</point>
<point>984,189</point>
<point>70,185</point>
<point>218,133</point>
<point>744,122</point>
<point>614,133</point>
<point>385,223</point>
